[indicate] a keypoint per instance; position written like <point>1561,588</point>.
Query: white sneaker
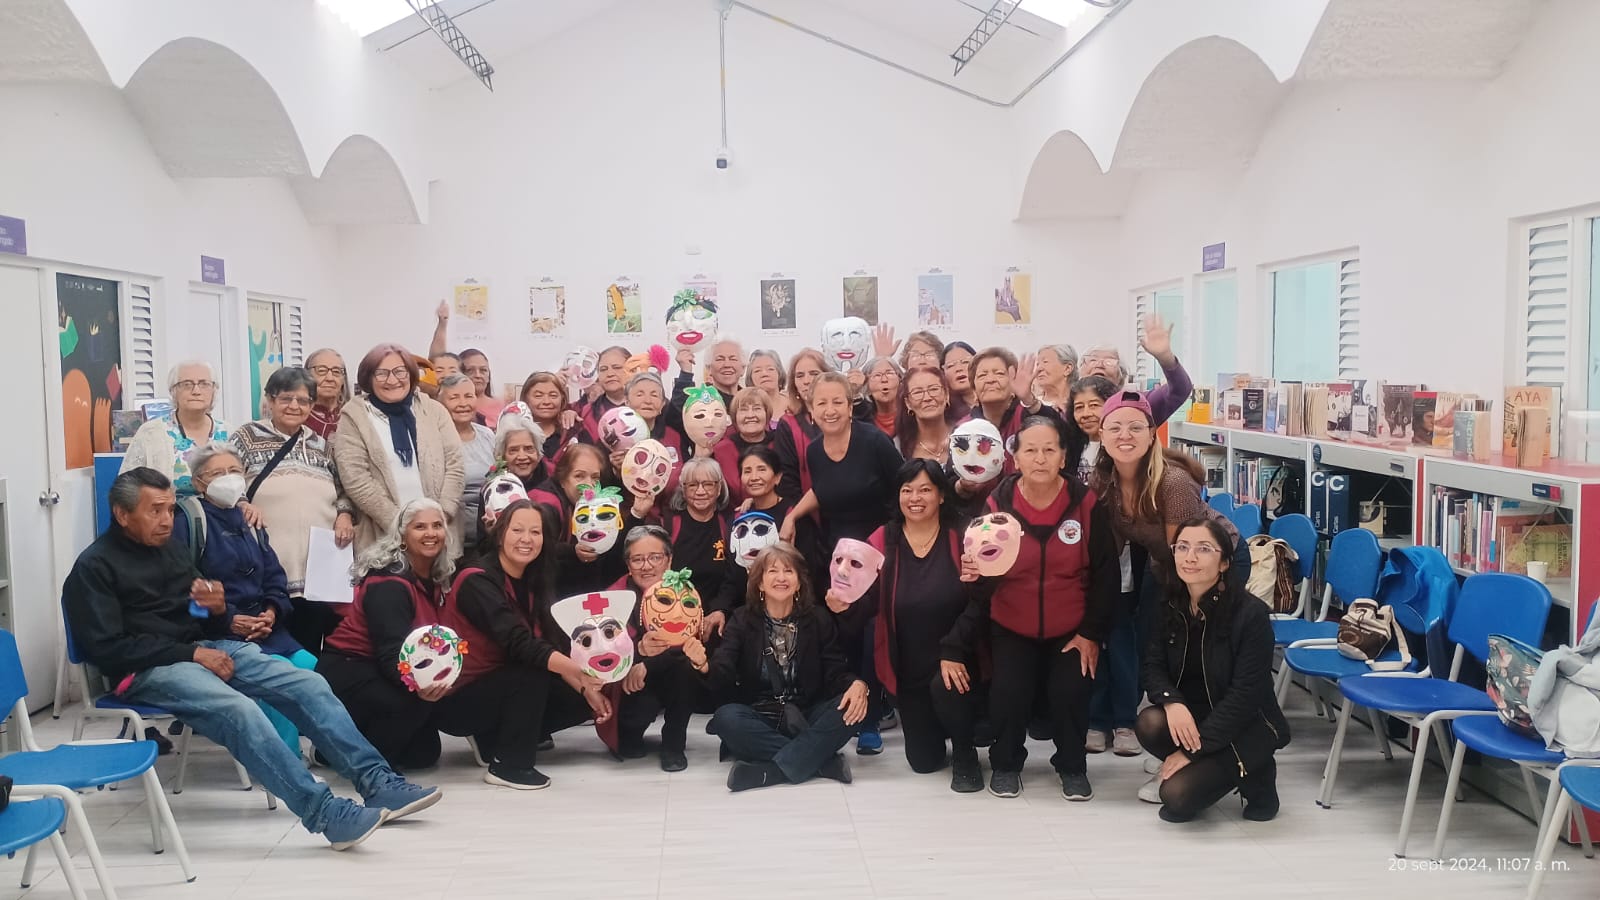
<point>1124,743</point>
<point>1150,792</point>
<point>1152,766</point>
<point>1095,741</point>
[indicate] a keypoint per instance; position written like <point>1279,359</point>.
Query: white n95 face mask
<point>226,491</point>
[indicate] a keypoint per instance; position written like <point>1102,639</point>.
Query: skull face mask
<point>500,492</point>
<point>581,368</point>
<point>431,657</point>
<point>648,467</point>
<point>993,540</point>
<point>854,568</point>
<point>597,625</point>
<point>691,320</point>
<point>752,533</point>
<point>705,416</point>
<point>673,608</point>
<point>621,428</point>
<point>845,342</point>
<point>597,517</point>
<point>976,451</point>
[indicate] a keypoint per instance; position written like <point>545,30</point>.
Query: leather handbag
<point>1367,631</point>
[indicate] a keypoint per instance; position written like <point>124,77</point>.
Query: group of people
<point>476,514</point>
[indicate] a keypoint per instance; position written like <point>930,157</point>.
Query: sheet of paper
<point>328,569</point>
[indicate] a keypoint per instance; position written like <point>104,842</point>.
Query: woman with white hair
<point>459,398</point>
<point>165,444</point>
<point>1104,360</point>
<point>1058,368</point>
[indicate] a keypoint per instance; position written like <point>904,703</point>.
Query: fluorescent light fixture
<point>1060,12</point>
<point>368,16</point>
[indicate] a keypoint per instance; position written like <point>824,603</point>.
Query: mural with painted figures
<point>91,364</point>
<point>266,347</point>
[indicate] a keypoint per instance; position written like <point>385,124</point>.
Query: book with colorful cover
<point>1341,408</point>
<point>1422,417</point>
<point>1255,409</point>
<point>1232,409</point>
<point>1366,416</point>
<point>1444,417</point>
<point>1200,406</point>
<point>1519,396</point>
<point>1397,401</point>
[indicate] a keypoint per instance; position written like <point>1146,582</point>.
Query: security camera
<point>724,157</point>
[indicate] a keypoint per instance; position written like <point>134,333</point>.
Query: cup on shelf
<point>1538,570</point>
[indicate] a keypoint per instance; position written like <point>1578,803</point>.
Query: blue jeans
<point>227,712</point>
<point>1115,703</point>
<point>751,738</point>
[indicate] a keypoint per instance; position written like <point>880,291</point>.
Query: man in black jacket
<point>134,605</point>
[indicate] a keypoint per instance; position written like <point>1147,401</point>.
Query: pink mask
<point>581,368</point>
<point>431,656</point>
<point>993,540</point>
<point>500,492</point>
<point>648,467</point>
<point>977,452</point>
<point>597,625</point>
<point>854,568</point>
<point>705,416</point>
<point>621,428</point>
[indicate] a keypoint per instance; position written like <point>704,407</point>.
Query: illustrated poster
<point>547,308</point>
<point>936,299</point>
<point>91,364</point>
<point>1013,299</point>
<point>469,313</point>
<point>778,302</point>
<point>266,347</point>
<point>861,297</point>
<point>624,307</point>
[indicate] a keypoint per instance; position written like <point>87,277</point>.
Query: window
<point>1219,322</point>
<point>1166,302</point>
<point>276,339</point>
<point>1316,318</point>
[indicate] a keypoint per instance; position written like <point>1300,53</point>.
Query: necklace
<point>921,548</point>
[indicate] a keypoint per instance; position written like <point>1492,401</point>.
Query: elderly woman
<point>332,393</point>
<point>697,519</point>
<point>923,349</point>
<point>1052,382</point>
<point>957,364</point>
<point>395,445</point>
<point>879,403</point>
<point>661,681</point>
<point>765,371</point>
<point>460,399</point>
<point>647,397</point>
<point>164,444</point>
<point>752,412</point>
<point>1156,339</point>
<point>294,486</point>
<point>545,394</point>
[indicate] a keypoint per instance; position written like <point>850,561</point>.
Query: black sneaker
<point>1005,784</point>
<point>632,749</point>
<point>673,761</point>
<point>966,777</point>
<point>837,769</point>
<point>1076,787</point>
<point>546,744</point>
<point>516,779</point>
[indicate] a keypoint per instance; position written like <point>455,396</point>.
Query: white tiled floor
<point>621,831</point>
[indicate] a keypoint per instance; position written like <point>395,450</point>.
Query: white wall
<point>595,160</point>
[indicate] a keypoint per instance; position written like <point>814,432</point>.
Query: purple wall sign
<point>212,271</point>
<point>1213,257</point>
<point>13,236</point>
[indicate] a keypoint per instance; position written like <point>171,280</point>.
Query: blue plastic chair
<point>1580,783</point>
<point>1297,531</point>
<point>1222,502</point>
<point>1489,603</point>
<point>27,823</point>
<point>1354,561</point>
<point>1247,519</point>
<point>64,770</point>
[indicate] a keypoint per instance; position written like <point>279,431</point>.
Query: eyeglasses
<point>1135,431</point>
<point>649,559</point>
<point>192,385</point>
<point>325,371</point>
<point>700,485</point>
<point>925,356</point>
<point>214,474</point>
<point>296,400</point>
<point>1099,357</point>
<point>1184,548</point>
<point>925,393</point>
<point>398,373</point>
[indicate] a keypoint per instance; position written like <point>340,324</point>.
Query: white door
<point>207,318</point>
<point>25,466</point>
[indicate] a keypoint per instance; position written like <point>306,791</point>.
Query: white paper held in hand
<point>328,569</point>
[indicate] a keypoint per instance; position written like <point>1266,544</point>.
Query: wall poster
<point>265,323</point>
<point>1013,299</point>
<point>861,296</point>
<point>778,303</point>
<point>547,307</point>
<point>89,324</point>
<point>936,299</point>
<point>624,307</point>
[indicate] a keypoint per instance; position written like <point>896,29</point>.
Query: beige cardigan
<point>364,468</point>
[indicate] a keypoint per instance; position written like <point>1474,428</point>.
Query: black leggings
<point>1025,668</point>
<point>930,715</point>
<point>671,690</point>
<point>1206,779</point>
<point>311,622</point>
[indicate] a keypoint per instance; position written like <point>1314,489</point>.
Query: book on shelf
<point>1366,416</point>
<point>1232,381</point>
<point>1316,415</point>
<point>1444,417</point>
<point>1341,409</point>
<point>1422,416</point>
<point>1200,406</point>
<point>1233,408</point>
<point>1397,404</point>
<point>1533,436</point>
<point>1483,533</point>
<point>1271,423</point>
<point>1255,409</point>
<point>1519,397</point>
<point>1291,408</point>
<point>1471,432</point>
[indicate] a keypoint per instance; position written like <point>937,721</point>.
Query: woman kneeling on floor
<point>792,701</point>
<point>1215,722</point>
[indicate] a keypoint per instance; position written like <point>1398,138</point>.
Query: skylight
<point>1060,12</point>
<point>368,16</point>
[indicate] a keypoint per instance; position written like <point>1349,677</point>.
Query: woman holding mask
<point>661,682</point>
<point>580,568</point>
<point>610,390</point>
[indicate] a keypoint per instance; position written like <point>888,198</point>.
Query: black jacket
<point>127,605</point>
<point>820,667</point>
<point>1236,659</point>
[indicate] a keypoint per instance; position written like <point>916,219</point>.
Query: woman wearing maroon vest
<point>661,682</point>
<point>610,392</point>
<point>752,413</point>
<point>500,605</point>
<point>795,430</point>
<point>1047,615</point>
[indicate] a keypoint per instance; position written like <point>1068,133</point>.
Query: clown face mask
<point>500,492</point>
<point>648,467</point>
<point>854,568</point>
<point>845,342</point>
<point>977,452</point>
<point>691,321</point>
<point>993,540</point>
<point>597,517</point>
<point>752,533</point>
<point>597,625</point>
<point>672,608</point>
<point>621,428</point>
<point>705,416</point>
<point>581,369</point>
<point>431,657</point>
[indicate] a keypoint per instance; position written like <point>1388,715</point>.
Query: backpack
<point>1367,630</point>
<point>195,515</point>
<point>1511,666</point>
<point>1272,565</point>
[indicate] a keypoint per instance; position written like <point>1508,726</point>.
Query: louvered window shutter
<point>294,342</point>
<point>140,347</point>
<point>1547,305</point>
<point>1349,319</point>
<point>1144,366</point>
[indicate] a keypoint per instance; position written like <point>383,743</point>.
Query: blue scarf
<point>402,427</point>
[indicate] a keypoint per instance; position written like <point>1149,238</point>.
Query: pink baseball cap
<point>1125,400</point>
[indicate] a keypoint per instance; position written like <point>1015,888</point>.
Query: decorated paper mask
<point>498,493</point>
<point>672,607</point>
<point>845,342</point>
<point>431,657</point>
<point>691,321</point>
<point>993,540</point>
<point>705,416</point>
<point>648,467</point>
<point>854,568</point>
<point>581,368</point>
<point>976,451</point>
<point>621,428</point>
<point>597,517</point>
<point>516,410</point>
<point>598,625</point>
<point>752,533</point>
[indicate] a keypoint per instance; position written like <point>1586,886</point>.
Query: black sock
<point>744,776</point>
<point>837,769</point>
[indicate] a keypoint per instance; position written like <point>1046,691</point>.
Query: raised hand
<point>1157,339</point>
